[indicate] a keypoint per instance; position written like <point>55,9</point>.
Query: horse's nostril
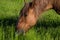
<point>19,32</point>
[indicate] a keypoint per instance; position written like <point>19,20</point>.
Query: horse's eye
<point>25,15</point>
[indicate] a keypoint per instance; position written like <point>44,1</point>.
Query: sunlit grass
<point>47,27</point>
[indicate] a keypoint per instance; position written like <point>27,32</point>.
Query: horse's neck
<point>42,5</point>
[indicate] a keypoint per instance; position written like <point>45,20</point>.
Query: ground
<point>47,27</point>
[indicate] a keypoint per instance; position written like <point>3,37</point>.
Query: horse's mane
<point>25,8</point>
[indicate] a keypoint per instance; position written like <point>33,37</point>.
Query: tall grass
<point>47,27</point>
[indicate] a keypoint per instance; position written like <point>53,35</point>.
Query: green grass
<point>47,27</point>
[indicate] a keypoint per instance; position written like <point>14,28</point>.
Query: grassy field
<point>47,27</point>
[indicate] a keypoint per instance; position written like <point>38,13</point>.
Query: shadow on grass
<point>13,21</point>
<point>45,26</point>
<point>8,21</point>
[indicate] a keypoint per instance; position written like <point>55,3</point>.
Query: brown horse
<point>31,12</point>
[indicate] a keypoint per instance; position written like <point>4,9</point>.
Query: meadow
<point>47,27</point>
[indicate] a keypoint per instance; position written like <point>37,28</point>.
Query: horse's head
<point>27,18</point>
